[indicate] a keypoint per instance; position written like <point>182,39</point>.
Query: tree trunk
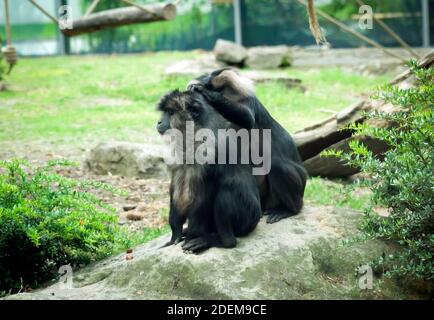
<point>121,17</point>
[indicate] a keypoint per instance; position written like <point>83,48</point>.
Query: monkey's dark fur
<point>232,96</point>
<point>220,202</point>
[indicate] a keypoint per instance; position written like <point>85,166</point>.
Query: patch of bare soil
<point>146,204</point>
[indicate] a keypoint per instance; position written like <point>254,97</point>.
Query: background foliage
<point>404,180</point>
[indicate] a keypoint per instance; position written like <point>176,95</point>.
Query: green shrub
<point>404,180</point>
<point>47,220</point>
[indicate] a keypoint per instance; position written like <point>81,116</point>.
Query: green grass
<point>333,193</point>
<point>129,239</point>
<point>100,97</point>
<point>58,98</point>
<point>330,89</point>
<point>88,99</point>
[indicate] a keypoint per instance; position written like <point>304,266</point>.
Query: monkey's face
<point>180,107</point>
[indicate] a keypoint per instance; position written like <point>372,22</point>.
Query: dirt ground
<point>146,204</point>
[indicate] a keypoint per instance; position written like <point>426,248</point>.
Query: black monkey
<point>233,96</point>
<point>220,201</point>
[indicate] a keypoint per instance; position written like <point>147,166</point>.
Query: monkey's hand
<point>195,86</point>
<point>236,113</point>
<point>209,95</point>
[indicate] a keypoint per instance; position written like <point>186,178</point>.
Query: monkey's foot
<point>173,242</point>
<point>275,216</point>
<point>196,245</point>
<point>200,244</point>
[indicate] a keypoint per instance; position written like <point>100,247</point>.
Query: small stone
<point>129,207</point>
<point>135,216</point>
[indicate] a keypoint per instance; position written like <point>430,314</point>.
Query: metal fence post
<point>237,22</point>
<point>62,41</point>
<point>425,24</point>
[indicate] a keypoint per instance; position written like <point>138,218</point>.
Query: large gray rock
<point>194,67</point>
<point>229,52</point>
<point>127,159</point>
<point>296,258</point>
<point>268,57</point>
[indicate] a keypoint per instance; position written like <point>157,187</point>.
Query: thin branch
<point>139,6</point>
<point>44,11</point>
<point>91,7</point>
<point>8,24</point>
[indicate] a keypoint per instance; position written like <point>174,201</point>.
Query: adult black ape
<point>233,96</point>
<point>220,201</point>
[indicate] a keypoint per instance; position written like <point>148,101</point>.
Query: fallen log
<point>312,140</point>
<point>333,167</point>
<point>333,133</point>
<point>121,17</point>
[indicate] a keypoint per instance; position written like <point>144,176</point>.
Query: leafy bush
<point>404,180</point>
<point>48,220</point>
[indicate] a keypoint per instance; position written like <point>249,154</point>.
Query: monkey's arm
<point>236,113</point>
